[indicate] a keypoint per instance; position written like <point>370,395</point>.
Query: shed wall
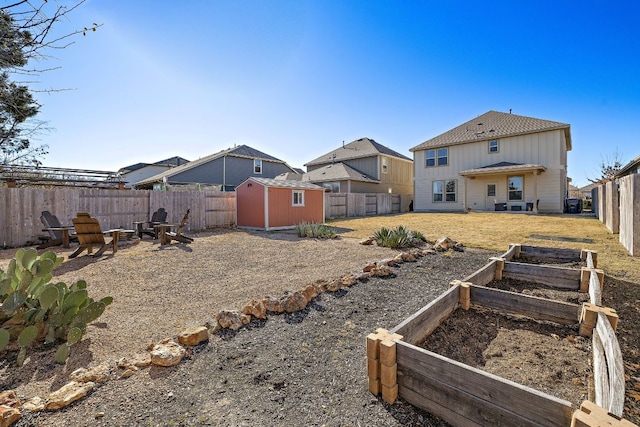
<point>250,205</point>
<point>282,213</point>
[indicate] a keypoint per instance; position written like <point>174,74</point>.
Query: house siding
<point>237,169</point>
<point>399,176</point>
<point>544,148</point>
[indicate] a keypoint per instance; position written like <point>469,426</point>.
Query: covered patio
<point>502,186</point>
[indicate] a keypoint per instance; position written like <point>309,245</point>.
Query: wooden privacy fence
<point>20,209</point>
<point>340,205</point>
<point>397,366</point>
<point>617,205</point>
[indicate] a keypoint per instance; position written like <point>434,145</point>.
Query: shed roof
<point>494,125</point>
<point>363,147</point>
<point>283,183</point>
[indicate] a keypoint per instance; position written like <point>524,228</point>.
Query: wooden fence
<point>340,205</point>
<point>617,205</point>
<point>20,209</point>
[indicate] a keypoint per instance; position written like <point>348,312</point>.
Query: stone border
<point>168,352</point>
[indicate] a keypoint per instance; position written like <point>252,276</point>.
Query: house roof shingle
<point>336,172</point>
<point>243,151</point>
<point>493,125</point>
<point>363,147</point>
<point>172,161</point>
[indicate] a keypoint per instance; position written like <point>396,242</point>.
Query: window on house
<point>438,157</point>
<point>493,146</point>
<point>384,165</point>
<point>298,198</point>
<point>516,187</point>
<point>443,156</point>
<point>257,166</point>
<point>444,191</point>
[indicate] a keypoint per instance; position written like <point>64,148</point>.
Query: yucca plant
<point>399,237</point>
<point>315,230</point>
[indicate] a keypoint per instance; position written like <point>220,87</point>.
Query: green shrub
<point>34,309</point>
<point>315,230</point>
<point>399,237</point>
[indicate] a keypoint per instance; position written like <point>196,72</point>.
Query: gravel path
<point>306,368</point>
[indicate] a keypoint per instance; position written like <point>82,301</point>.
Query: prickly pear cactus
<point>33,309</point>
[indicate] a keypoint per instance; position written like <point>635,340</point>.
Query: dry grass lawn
<point>495,231</point>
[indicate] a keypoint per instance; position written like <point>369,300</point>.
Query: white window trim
<point>444,191</point>
<point>497,146</point>
<point>509,199</point>
<point>385,166</point>
<point>257,164</point>
<point>436,158</point>
<point>300,198</point>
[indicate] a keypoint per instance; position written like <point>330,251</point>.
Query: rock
<point>193,336</point>
<point>444,244</point>
<point>293,302</point>
<point>382,271</point>
<point>369,267</point>
<point>256,309</point>
<point>310,291</point>
<point>428,251</point>
<point>8,415</point>
<point>139,360</point>
<point>334,285</point>
<point>68,394</point>
<point>348,280</point>
<point>35,404</point>
<point>368,241</point>
<point>408,257</point>
<point>363,277</point>
<point>129,371</point>
<point>167,354</point>
<point>97,374</point>
<point>7,397</point>
<point>272,304</point>
<point>232,319</point>
<point>390,262</point>
<point>398,258</point>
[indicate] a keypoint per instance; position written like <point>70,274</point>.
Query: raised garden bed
<point>448,382</point>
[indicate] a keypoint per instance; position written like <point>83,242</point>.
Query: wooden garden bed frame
<point>467,396</point>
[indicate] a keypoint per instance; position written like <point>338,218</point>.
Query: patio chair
<point>147,227</point>
<point>177,235</point>
<point>90,234</point>
<point>58,234</point>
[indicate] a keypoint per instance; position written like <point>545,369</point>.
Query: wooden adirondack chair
<point>90,234</point>
<point>177,235</point>
<point>147,227</point>
<point>58,234</point>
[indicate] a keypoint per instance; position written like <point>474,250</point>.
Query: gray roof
<point>632,165</point>
<point>243,151</point>
<point>172,161</point>
<point>336,172</point>
<point>493,125</point>
<point>282,183</point>
<point>363,147</point>
<point>289,176</point>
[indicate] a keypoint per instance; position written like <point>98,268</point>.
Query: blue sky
<point>295,79</point>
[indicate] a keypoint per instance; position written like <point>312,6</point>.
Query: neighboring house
<point>225,169</point>
<point>270,204</point>
<point>140,171</point>
<point>497,161</point>
<point>630,168</point>
<point>362,166</point>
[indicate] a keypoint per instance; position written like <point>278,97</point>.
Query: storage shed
<point>270,204</point>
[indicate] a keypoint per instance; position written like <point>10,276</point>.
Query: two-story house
<point>362,166</point>
<point>497,161</point>
<point>225,170</point>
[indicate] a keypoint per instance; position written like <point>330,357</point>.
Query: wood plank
<point>557,277</point>
<point>511,253</point>
<point>415,328</point>
<point>615,366</point>
<point>595,294</point>
<point>600,374</point>
<point>493,396</point>
<point>482,276</point>
<point>524,305</point>
<point>554,254</point>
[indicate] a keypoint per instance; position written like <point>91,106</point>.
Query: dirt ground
<point>304,368</point>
